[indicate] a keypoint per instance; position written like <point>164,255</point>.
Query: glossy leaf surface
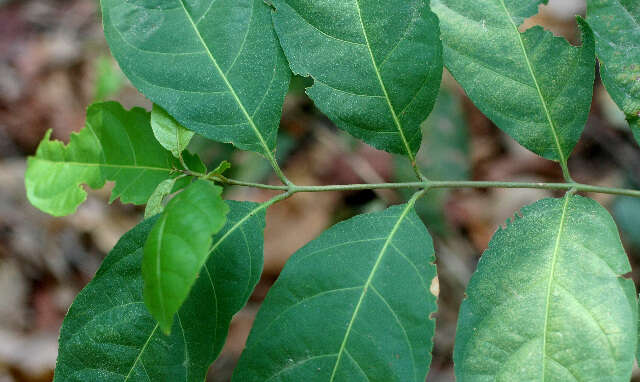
<point>616,25</point>
<point>534,86</point>
<point>376,65</point>
<point>115,145</point>
<point>108,334</point>
<point>548,302</point>
<point>214,65</point>
<point>178,247</point>
<point>352,305</point>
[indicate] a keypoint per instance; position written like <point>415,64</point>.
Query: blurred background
<point>54,62</point>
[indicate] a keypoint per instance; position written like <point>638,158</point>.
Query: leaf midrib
<point>144,347</point>
<point>383,87</point>
<point>554,260</point>
<point>81,164</point>
<point>535,81</point>
<point>367,285</point>
<point>263,143</point>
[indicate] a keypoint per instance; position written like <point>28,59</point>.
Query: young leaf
<point>178,247</point>
<point>534,86</point>
<point>222,167</point>
<point>376,65</point>
<point>154,205</point>
<point>352,305</point>
<point>115,145</point>
<point>216,66</point>
<point>125,343</point>
<point>171,135</point>
<point>548,301</point>
<point>616,25</point>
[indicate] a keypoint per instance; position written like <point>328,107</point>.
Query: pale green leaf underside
<point>155,203</point>
<point>534,86</point>
<point>376,64</point>
<point>115,145</point>
<point>548,302</point>
<point>169,133</point>
<point>178,246</point>
<point>616,25</point>
<point>108,334</point>
<point>353,305</point>
<point>214,65</point>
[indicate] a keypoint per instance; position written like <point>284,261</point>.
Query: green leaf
<point>178,247</point>
<point>154,205</point>
<point>534,86</point>
<point>214,65</point>
<point>352,305</point>
<point>548,301</point>
<point>109,78</point>
<point>115,145</point>
<point>376,65</point>
<point>108,334</point>
<point>171,135</point>
<point>616,25</point>
<point>222,167</point>
<point>626,211</point>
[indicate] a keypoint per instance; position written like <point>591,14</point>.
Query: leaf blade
<point>172,260</point>
<point>154,205</point>
<point>169,133</point>
<point>118,285</point>
<point>115,145</point>
<point>215,66</point>
<point>617,29</point>
<point>535,87</point>
<point>343,46</point>
<point>360,291</point>
<point>556,305</point>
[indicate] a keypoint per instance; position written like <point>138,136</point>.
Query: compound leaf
<point>376,65</point>
<point>169,133</point>
<point>108,334</point>
<point>616,25</point>
<point>534,86</point>
<point>214,65</point>
<point>178,247</point>
<point>548,302</point>
<point>115,145</point>
<point>352,305</point>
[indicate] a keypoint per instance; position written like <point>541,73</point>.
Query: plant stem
<point>565,171</point>
<point>278,170</point>
<point>293,189</point>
